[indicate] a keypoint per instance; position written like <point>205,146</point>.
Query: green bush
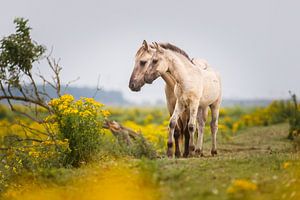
<point>294,119</point>
<point>17,53</point>
<point>23,156</point>
<point>80,122</point>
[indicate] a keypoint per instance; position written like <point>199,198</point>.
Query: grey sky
<point>254,44</point>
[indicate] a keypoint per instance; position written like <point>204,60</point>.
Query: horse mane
<point>168,46</point>
<point>175,49</point>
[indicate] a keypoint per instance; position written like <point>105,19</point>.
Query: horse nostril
<point>147,79</point>
<point>131,85</point>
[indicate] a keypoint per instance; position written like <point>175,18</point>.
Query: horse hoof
<point>192,148</point>
<point>199,152</point>
<point>186,154</point>
<point>214,152</point>
<point>170,153</point>
<point>177,154</point>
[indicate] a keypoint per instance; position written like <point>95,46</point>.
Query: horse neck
<point>169,80</point>
<point>179,67</point>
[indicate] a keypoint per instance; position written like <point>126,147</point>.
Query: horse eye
<point>154,61</point>
<point>142,63</point>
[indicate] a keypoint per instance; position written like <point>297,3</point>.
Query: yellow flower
<point>53,102</point>
<point>48,142</point>
<point>105,113</point>
<point>85,113</point>
<point>79,103</point>
<point>241,185</point>
<point>70,111</point>
<point>62,107</point>
<point>67,98</point>
<point>286,165</point>
<point>50,118</point>
<point>34,154</point>
<point>236,126</point>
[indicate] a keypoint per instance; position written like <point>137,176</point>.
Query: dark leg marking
<point>172,124</point>
<point>186,143</point>
<point>191,128</point>
<point>199,152</point>
<point>214,152</point>
<point>176,137</point>
<point>170,149</point>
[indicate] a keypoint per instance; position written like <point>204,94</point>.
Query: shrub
<point>23,156</point>
<point>81,123</point>
<point>294,119</point>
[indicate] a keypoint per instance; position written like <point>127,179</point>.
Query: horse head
<point>142,61</point>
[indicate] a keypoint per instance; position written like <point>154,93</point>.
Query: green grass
<point>261,156</point>
<point>256,155</point>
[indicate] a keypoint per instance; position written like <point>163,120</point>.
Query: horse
<point>142,58</point>
<point>195,90</point>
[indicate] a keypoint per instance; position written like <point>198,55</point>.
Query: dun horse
<point>195,90</point>
<point>142,59</point>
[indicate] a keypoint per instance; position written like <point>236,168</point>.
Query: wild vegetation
<point>66,148</point>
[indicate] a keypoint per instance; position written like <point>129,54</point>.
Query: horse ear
<point>157,47</point>
<point>145,45</point>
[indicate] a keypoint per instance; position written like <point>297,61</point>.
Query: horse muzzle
<point>134,86</point>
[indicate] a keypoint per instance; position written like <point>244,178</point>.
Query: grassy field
<point>67,148</point>
<point>256,163</point>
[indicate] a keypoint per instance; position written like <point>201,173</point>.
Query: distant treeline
<point>108,97</point>
<point>116,98</point>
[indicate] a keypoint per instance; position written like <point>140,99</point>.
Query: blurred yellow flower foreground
<point>241,185</point>
<point>117,181</point>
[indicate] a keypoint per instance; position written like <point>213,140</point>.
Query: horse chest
<point>185,97</point>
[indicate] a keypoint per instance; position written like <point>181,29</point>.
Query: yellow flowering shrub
<point>30,156</point>
<point>79,121</point>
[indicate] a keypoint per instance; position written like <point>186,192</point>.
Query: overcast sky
<point>255,45</point>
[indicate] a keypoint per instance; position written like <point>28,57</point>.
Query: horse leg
<point>192,124</point>
<point>186,142</point>
<point>202,117</point>
<point>173,121</point>
<point>184,132</point>
<point>214,126</point>
<point>176,138</point>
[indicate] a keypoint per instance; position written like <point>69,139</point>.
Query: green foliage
<point>23,156</point>
<point>5,113</point>
<point>17,53</point>
<point>80,122</point>
<point>139,148</point>
<point>234,119</point>
<point>142,148</point>
<point>294,119</point>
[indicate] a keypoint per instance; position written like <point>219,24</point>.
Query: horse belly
<point>211,91</point>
